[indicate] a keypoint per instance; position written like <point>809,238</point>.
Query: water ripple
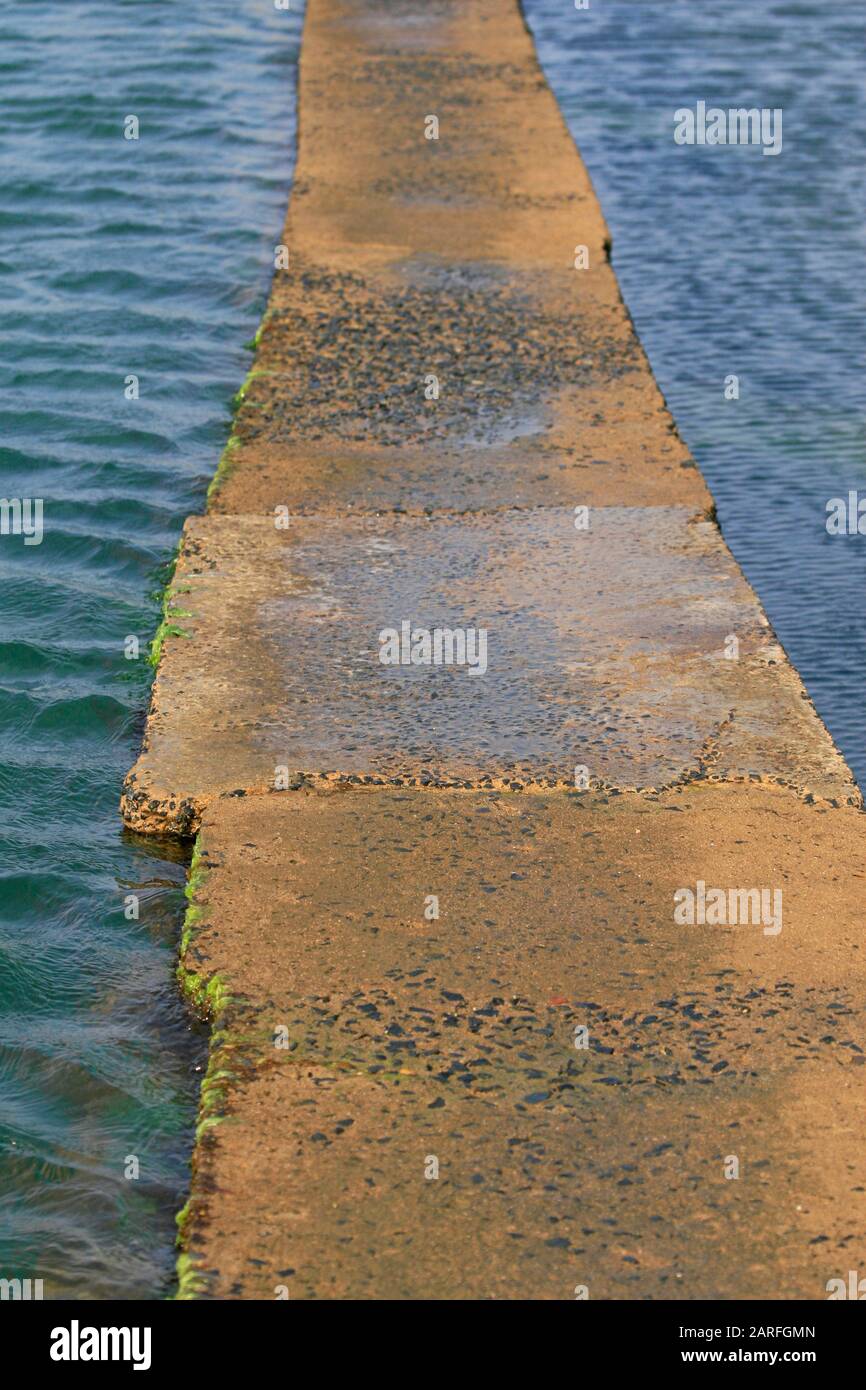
<point>148,258</point>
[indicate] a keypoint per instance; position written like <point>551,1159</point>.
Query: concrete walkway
<point>462,1045</point>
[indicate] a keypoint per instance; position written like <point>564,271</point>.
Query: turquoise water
<point>152,258</point>
<point>733,262</point>
<point>149,258</point>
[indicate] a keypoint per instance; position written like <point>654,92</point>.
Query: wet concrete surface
<point>335,795</point>
<point>605,649</point>
<point>377,1039</point>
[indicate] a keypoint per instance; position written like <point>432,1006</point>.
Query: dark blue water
<point>733,262</point>
<point>152,258</point>
<point>149,258</point>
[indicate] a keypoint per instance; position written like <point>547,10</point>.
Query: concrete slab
<point>408,257</point>
<point>605,649</point>
<point>411,1038</point>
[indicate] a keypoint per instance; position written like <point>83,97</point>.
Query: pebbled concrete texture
<point>452,1037</point>
<point>452,257</point>
<point>407,1038</point>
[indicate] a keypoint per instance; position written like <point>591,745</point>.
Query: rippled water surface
<point>733,262</point>
<point>117,257</point>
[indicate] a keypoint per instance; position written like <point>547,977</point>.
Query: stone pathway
<point>463,1044</point>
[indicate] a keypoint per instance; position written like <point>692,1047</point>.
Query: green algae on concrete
<point>168,626</point>
<point>207,994</point>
